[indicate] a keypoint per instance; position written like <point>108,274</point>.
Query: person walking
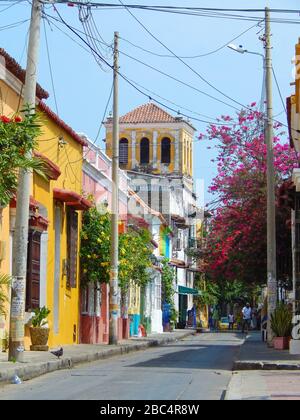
<point>247,317</point>
<point>231,321</point>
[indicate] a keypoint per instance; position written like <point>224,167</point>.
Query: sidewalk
<point>256,355</point>
<point>262,373</point>
<point>263,385</point>
<point>39,363</point>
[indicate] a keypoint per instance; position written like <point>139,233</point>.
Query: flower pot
<point>281,343</point>
<point>39,338</point>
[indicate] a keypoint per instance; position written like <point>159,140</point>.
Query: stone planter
<point>39,338</point>
<point>281,343</point>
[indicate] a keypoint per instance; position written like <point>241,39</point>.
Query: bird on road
<point>58,353</point>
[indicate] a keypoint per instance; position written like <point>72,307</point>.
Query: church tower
<point>153,141</point>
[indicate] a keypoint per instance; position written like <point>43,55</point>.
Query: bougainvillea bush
<point>17,138</point>
<point>237,236</point>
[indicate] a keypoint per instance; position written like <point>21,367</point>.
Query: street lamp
<point>269,134</point>
<point>241,50</point>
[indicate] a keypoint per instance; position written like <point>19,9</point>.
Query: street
<point>197,368</point>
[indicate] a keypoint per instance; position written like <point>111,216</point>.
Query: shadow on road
<point>201,356</point>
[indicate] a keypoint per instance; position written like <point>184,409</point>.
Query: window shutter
<point>33,271</point>
<point>72,245</point>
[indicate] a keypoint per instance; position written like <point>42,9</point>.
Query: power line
<point>279,91</point>
<point>50,69</point>
<point>99,130</point>
<point>139,90</point>
<point>173,103</point>
<point>199,12</point>
<point>181,60</point>
<point>11,5</point>
<point>193,56</point>
<point>168,7</point>
<point>75,31</point>
<point>13,25</point>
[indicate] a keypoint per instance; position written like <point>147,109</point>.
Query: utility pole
<point>114,309</point>
<point>271,215</point>
<point>20,240</point>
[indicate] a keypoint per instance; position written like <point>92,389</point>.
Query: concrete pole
<point>271,214</point>
<point>293,217</point>
<point>114,309</point>
<point>20,241</point>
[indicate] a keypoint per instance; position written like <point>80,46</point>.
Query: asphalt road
<point>197,368</point>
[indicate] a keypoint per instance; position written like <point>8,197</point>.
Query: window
<point>149,195</point>
<point>33,271</point>
<point>123,151</point>
<point>72,247</point>
<point>145,151</point>
<point>166,151</point>
<point>160,200</point>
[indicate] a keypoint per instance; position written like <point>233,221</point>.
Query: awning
<point>179,221</point>
<point>72,199</point>
<point>182,290</point>
<point>52,170</point>
<point>33,204</point>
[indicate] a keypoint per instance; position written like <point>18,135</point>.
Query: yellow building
<point>150,137</point>
<point>4,261</point>
<point>55,214</point>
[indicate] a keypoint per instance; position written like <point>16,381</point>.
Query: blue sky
<point>82,88</point>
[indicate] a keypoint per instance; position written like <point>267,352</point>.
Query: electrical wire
<point>181,60</point>
<point>99,130</point>
<point>279,91</point>
<point>139,90</point>
<point>193,56</point>
<point>11,5</point>
<point>200,12</point>
<point>173,103</point>
<point>13,25</point>
<point>75,31</point>
<point>168,7</point>
<point>50,69</point>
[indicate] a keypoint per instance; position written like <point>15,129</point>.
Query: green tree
<point>5,282</point>
<point>17,138</point>
<point>135,250</point>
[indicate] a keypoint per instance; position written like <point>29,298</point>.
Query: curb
<point>249,365</point>
<point>33,370</point>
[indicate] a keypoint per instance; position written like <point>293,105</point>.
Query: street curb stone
<point>33,370</point>
<point>261,365</point>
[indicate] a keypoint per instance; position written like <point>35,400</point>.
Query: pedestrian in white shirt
<point>247,316</point>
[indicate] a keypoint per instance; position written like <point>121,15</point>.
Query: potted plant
<point>281,325</point>
<point>173,318</point>
<point>38,332</point>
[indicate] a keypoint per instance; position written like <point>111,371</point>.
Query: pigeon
<point>58,353</point>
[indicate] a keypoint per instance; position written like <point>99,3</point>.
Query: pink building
<point>95,298</point>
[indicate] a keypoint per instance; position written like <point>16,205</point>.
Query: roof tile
<point>148,113</point>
